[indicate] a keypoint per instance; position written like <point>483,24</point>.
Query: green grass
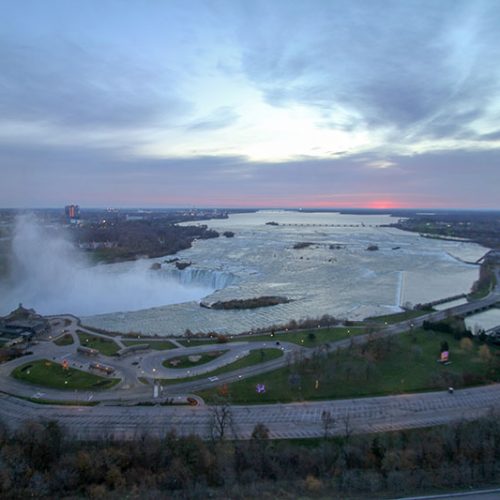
<point>485,288</point>
<point>408,365</point>
<point>57,402</point>
<point>308,338</point>
<point>255,357</point>
<point>50,374</point>
<point>398,317</point>
<point>196,342</point>
<point>184,361</point>
<point>66,339</point>
<point>158,345</point>
<point>105,346</point>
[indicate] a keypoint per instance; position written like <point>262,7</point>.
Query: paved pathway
<point>297,420</point>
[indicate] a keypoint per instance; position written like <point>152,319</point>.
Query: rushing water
<point>335,275</point>
<point>51,276</point>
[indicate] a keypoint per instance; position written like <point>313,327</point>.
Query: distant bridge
<point>330,225</point>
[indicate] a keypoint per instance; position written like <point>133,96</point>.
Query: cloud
<point>421,69</point>
<point>64,84</point>
<point>381,164</point>
<point>492,136</point>
<point>52,176</point>
<point>219,118</point>
<point>239,102</point>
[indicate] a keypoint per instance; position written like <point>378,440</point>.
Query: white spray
<point>50,275</point>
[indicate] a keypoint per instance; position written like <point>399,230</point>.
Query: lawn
<point>308,338</point>
<point>50,374</point>
<point>386,366</point>
<point>184,361</point>
<point>255,357</point>
<point>398,317</point>
<point>105,346</point>
<point>66,339</point>
<point>158,345</point>
<point>485,287</point>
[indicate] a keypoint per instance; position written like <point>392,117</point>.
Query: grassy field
<point>49,374</point>
<point>255,357</point>
<point>485,288</point>
<point>184,361</point>
<point>308,338</point>
<point>158,345</point>
<point>66,339</point>
<point>398,317</point>
<point>104,346</point>
<point>407,363</point>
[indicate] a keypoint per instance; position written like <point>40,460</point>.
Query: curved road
<point>283,420</point>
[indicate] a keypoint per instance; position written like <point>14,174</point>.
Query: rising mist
<point>47,273</point>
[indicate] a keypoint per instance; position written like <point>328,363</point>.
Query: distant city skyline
<point>275,104</point>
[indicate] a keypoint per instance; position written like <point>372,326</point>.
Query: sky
<point>293,103</point>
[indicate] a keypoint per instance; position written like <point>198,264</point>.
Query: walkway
<point>298,420</point>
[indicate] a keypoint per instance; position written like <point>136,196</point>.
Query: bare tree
<point>348,427</point>
<point>327,422</point>
<point>221,420</point>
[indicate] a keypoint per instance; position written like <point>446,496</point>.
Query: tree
<point>221,420</point>
<point>327,422</point>
<point>260,431</point>
<point>466,344</point>
<point>485,353</point>
<point>347,427</point>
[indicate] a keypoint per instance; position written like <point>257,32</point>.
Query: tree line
<point>38,460</point>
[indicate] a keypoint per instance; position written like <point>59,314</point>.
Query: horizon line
<point>297,209</point>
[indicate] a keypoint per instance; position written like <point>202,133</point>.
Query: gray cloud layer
<point>420,67</point>
<point>65,84</point>
<point>100,178</point>
<point>412,72</point>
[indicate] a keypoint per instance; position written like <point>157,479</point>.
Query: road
<point>283,420</point>
<point>295,420</point>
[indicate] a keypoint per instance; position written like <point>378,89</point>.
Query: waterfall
<point>204,277</point>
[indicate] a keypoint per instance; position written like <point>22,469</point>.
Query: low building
<point>23,323</point>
